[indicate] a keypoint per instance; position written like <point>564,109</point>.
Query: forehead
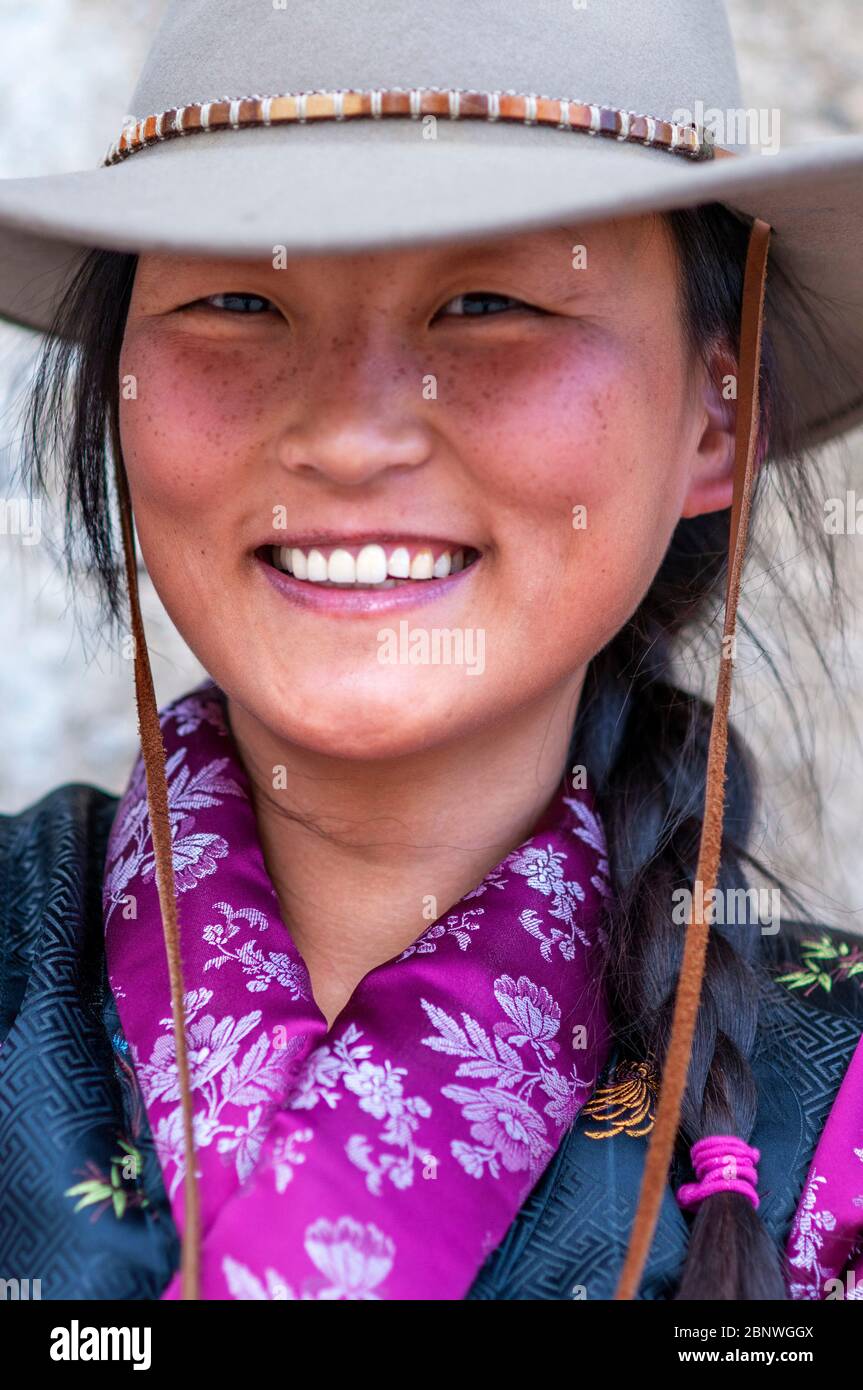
<point>609,248</point>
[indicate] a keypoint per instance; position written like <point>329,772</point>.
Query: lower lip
<point>352,601</point>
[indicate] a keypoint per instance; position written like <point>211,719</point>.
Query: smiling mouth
<point>370,565</point>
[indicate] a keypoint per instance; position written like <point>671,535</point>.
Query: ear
<point>712,472</point>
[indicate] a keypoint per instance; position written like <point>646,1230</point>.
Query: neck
<point>365,856</point>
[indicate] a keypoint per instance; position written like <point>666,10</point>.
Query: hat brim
<point>321,189</point>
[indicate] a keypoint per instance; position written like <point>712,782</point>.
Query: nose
<point>358,411</point>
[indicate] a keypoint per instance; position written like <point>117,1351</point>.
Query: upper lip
<point>307,540</point>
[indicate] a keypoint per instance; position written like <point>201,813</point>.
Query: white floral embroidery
<point>252,1084</point>
<point>354,1258</point>
<point>286,1156</point>
<point>276,967</point>
<point>246,1286</point>
<point>808,1239</point>
<point>458,925</point>
<point>494,879</point>
<point>194,710</point>
<point>194,855</point>
<point>544,871</point>
<point>507,1128</point>
<point>379,1089</point>
<point>563,940</point>
<point>543,868</point>
<point>592,833</point>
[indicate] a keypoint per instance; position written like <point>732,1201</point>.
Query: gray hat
<point>332,126</point>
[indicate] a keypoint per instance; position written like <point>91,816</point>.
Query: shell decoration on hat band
<point>416,103</point>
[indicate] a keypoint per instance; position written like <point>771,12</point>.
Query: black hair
<point>642,738</point>
<point>644,743</point>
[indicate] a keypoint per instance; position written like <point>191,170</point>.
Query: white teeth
<point>299,564</point>
<point>422,565</point>
<point>317,567</point>
<point>399,566</point>
<point>342,568</point>
<point>371,565</point>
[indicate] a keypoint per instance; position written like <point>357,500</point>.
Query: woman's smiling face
<point>520,407</point>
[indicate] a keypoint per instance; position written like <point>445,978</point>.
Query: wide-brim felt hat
<point>307,126</point>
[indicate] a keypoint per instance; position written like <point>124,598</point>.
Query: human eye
<point>235,303</point>
<point>484,304</point>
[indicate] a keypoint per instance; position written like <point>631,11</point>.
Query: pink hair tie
<point>722,1163</point>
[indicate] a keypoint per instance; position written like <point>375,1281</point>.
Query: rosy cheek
<point>197,416</point>
<point>546,439</point>
<point>541,442</point>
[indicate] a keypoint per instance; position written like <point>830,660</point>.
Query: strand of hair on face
<point>153,750</point>
<point>688,993</point>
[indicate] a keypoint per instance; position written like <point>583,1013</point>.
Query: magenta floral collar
<point>386,1158</point>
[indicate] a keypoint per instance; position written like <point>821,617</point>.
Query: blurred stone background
<point>66,699</point>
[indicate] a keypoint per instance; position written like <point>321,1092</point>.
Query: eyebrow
<point>508,255</point>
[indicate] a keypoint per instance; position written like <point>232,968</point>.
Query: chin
<point>383,719</point>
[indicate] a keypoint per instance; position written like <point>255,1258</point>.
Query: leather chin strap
<point>153,750</point>
<point>689,984</point>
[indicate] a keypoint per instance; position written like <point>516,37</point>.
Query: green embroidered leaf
<point>823,948</point>
<point>848,964</point>
<point>99,1192</point>
<point>91,1185</point>
<point>795,980</point>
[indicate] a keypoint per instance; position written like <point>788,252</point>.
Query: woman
<point>436,421</point>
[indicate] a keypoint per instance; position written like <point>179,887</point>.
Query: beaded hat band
<point>451,104</point>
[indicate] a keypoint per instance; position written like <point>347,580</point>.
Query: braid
<point>644,744</point>
<point>650,795</point>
